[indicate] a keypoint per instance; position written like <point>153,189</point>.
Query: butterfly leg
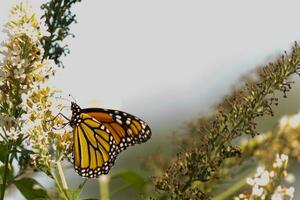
<point>62,115</point>
<point>59,114</point>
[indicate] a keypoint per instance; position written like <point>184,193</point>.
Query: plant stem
<point>233,189</point>
<point>62,191</point>
<point>104,187</point>
<point>5,175</point>
<point>229,192</point>
<point>60,180</point>
<point>62,176</point>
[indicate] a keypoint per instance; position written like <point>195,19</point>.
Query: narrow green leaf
<point>31,189</point>
<point>74,194</point>
<point>134,179</point>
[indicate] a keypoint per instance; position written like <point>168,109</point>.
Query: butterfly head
<point>75,113</point>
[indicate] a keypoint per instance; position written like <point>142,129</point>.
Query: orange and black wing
<point>94,147</point>
<point>125,128</point>
<point>101,135</point>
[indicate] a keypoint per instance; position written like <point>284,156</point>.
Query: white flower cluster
<point>23,13</point>
<point>264,178</point>
<point>283,193</point>
<point>21,69</point>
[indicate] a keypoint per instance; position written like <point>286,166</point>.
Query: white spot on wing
<point>118,116</point>
<point>119,121</point>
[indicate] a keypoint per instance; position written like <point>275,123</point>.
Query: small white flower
<point>12,134</point>
<point>264,179</point>
<point>283,193</point>
<point>290,192</point>
<point>257,191</point>
<point>19,73</point>
<point>250,181</point>
<point>276,196</point>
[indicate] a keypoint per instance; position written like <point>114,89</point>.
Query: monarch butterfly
<point>100,135</point>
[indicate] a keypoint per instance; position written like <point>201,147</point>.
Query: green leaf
<point>134,180</point>
<point>75,194</point>
<point>31,189</point>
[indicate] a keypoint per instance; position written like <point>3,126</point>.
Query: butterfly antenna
<point>70,95</point>
<point>62,98</point>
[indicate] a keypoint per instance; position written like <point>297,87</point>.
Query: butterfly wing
<point>101,135</point>
<point>94,147</point>
<point>125,128</point>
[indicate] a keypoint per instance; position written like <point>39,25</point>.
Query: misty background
<point>170,61</point>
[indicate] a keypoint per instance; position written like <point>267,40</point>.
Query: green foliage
<point>74,194</point>
<point>132,179</point>
<point>58,17</point>
<point>31,189</point>
<point>211,143</point>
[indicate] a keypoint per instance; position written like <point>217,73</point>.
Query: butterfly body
<point>100,135</point>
